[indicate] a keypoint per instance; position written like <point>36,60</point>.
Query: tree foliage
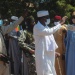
<point>55,7</point>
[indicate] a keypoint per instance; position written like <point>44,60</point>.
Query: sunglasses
<point>46,17</point>
<point>73,17</point>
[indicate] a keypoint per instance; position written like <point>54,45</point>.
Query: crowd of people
<point>37,48</point>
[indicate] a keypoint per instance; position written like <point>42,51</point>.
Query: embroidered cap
<point>42,13</point>
<point>57,17</point>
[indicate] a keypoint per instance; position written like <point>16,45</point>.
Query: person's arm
<point>45,31</point>
<point>9,28</point>
<point>41,30</point>
<point>22,44</point>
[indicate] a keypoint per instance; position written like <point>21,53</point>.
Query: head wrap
<point>14,18</point>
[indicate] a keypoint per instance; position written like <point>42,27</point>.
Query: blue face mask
<point>1,22</point>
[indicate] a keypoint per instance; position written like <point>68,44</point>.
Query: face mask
<point>56,23</point>
<point>48,21</point>
<point>10,22</point>
<point>1,22</point>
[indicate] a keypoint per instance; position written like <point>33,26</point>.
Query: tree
<point>16,7</point>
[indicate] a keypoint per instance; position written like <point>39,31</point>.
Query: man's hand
<point>32,51</point>
<point>57,54</point>
<point>1,55</point>
<point>63,20</point>
<point>25,13</point>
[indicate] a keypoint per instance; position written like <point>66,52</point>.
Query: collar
<point>41,24</point>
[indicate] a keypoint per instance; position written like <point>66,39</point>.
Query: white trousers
<point>45,62</point>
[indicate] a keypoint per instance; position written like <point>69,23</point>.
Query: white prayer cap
<point>14,18</point>
<point>42,13</point>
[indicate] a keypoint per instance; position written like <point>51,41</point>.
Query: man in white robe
<point>45,44</point>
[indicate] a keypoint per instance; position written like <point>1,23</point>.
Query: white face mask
<point>56,23</point>
<point>48,21</point>
<point>1,22</point>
